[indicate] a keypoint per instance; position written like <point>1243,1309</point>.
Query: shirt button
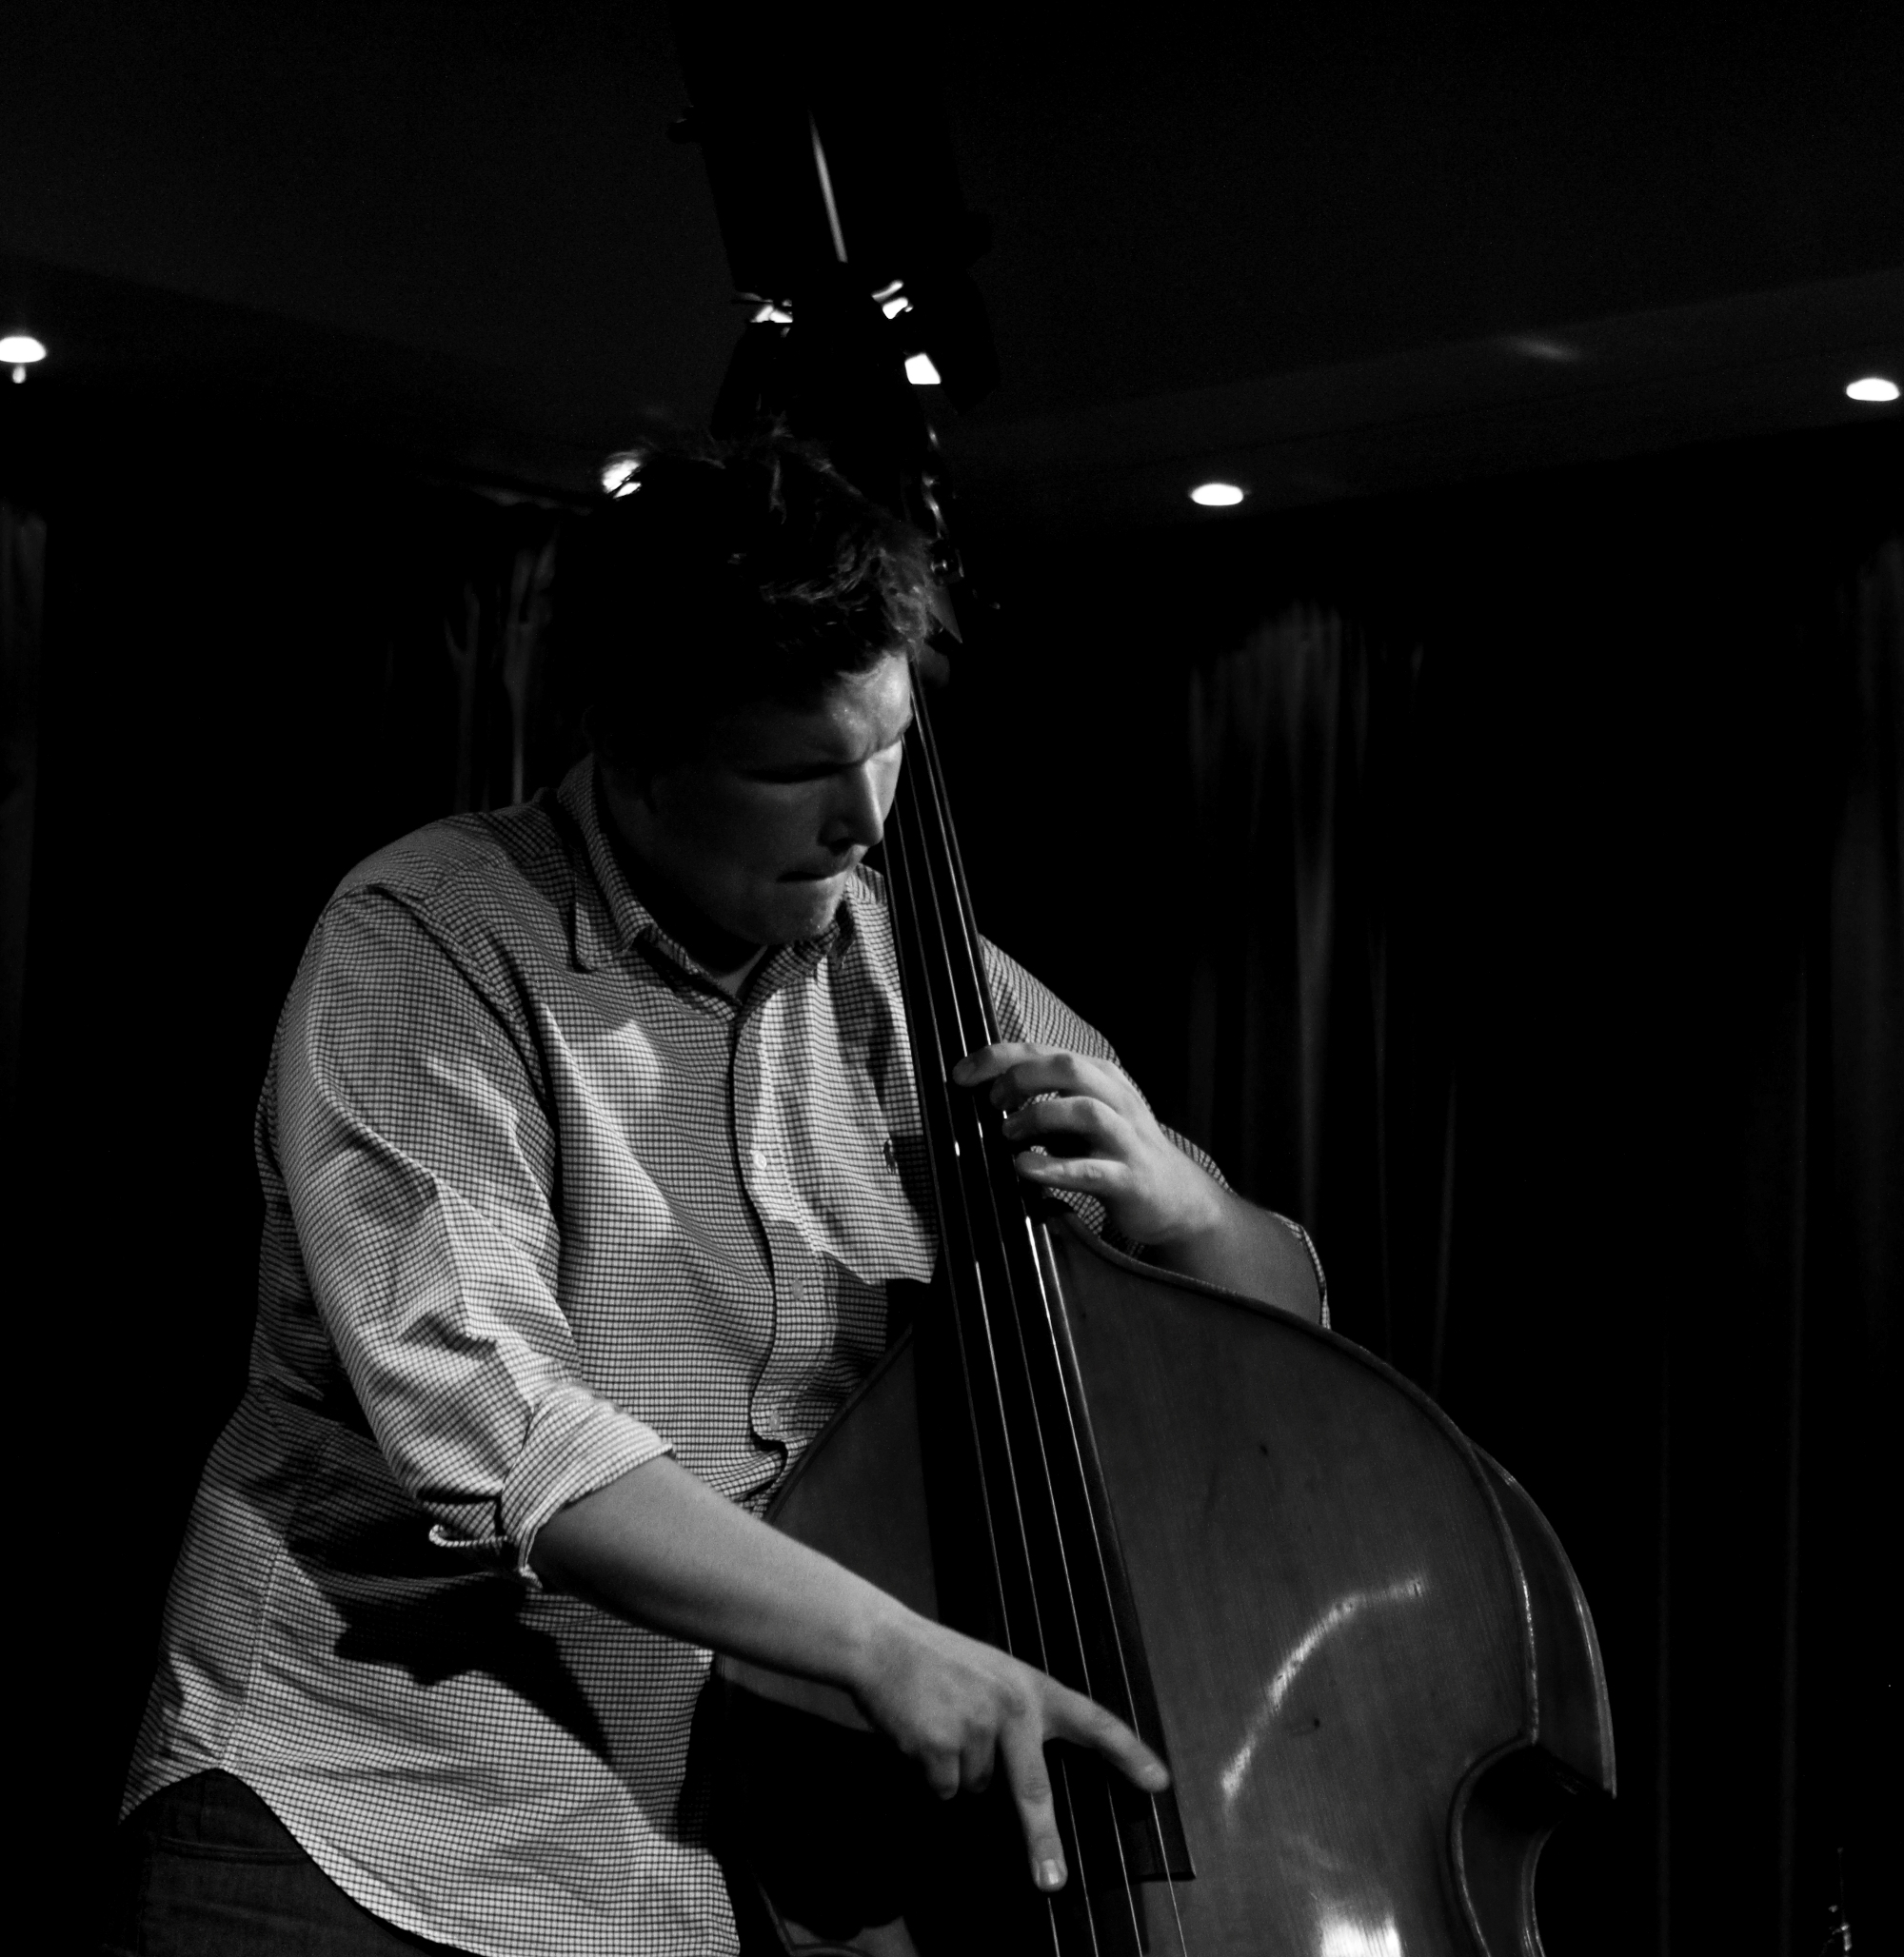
<point>759,1161</point>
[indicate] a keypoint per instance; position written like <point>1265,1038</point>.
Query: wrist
<point>1200,1219</point>
<point>878,1630</point>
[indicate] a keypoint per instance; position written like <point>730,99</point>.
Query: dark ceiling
<point>1335,248</point>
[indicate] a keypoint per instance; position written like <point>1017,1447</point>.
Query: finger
<point>1064,1073</point>
<point>988,1062</point>
<point>1090,1175</point>
<point>1071,1716</point>
<point>1072,1115</point>
<point>1022,1746</point>
<point>944,1772</point>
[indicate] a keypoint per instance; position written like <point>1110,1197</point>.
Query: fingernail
<point>1051,1876</point>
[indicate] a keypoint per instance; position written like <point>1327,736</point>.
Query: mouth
<point>828,876</point>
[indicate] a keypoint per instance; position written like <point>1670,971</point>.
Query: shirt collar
<point>609,918</point>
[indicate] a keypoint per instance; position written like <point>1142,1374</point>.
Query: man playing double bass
<point>590,1147</point>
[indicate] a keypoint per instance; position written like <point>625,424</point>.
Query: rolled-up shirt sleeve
<point>420,1164</point>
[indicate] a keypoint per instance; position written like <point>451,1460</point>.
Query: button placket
<point>791,1346</point>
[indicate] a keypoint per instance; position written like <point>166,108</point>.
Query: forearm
<point>1248,1250</point>
<point>665,1549</point>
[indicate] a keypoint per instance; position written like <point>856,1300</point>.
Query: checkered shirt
<point>541,1203</point>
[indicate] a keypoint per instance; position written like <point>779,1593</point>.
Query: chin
<point>798,911</point>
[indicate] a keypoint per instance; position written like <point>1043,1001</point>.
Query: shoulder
<point>472,912</point>
<point>471,878</point>
<point>1029,1010</point>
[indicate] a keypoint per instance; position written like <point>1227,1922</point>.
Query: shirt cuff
<point>1308,1244</point>
<point>577,1443</point>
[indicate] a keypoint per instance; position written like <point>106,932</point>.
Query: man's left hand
<point>1092,1132</point>
<point>1080,1125</point>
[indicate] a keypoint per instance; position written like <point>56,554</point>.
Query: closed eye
<point>822,770</point>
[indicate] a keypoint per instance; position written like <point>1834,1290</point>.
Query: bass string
<point>1009,1207</point>
<point>973,1198</point>
<point>1049,1289</point>
<point>908,924</point>
<point>936,1015</point>
<point>1048,1285</point>
<point>957,927</point>
<point>982,1194</point>
<point>918,869</point>
<point>1049,1274</point>
<point>970,1163</point>
<point>907,879</point>
<point>1050,1293</point>
<point>966,930</point>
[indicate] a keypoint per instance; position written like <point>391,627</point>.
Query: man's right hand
<point>958,1706</point>
<point>663,1550</point>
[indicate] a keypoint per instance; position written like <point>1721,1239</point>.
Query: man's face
<point>760,834</point>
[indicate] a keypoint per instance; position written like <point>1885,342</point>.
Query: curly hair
<point>731,572</point>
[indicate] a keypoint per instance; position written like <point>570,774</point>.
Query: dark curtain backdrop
<point>23,560</point>
<point>1521,908</point>
<point>262,656</point>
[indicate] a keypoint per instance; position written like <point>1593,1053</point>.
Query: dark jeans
<point>206,1870</point>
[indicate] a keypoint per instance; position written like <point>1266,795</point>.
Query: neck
<point>728,962</point>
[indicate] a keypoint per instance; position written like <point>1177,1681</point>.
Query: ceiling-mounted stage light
<point>1873,388</point>
<point>1217,495</point>
<point>20,351</point>
<point>921,371</point>
<point>621,475</point>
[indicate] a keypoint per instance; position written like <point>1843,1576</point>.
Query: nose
<point>857,816</point>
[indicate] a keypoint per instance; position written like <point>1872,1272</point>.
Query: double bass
<point>1353,1638</point>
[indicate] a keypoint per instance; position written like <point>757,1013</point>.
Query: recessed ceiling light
<point>621,474</point>
<point>1873,388</point>
<point>1217,495</point>
<point>921,371</point>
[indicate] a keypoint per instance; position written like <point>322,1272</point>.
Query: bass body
<point>1377,1678</point>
